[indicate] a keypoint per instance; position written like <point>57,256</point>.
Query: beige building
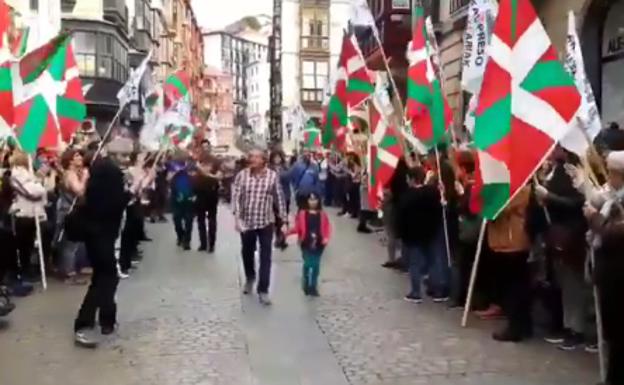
<point>601,30</point>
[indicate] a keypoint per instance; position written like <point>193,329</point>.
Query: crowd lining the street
<point>539,250</point>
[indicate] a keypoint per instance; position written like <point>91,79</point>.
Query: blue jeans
<point>249,239</point>
<point>311,268</point>
<point>183,223</point>
<point>429,259</point>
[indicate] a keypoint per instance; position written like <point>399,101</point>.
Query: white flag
<point>477,37</point>
<point>481,17</point>
<point>381,99</point>
<point>587,124</point>
<point>130,90</point>
<point>361,14</point>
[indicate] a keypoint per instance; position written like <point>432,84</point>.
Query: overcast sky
<point>216,14</point>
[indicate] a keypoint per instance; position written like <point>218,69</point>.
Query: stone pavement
<point>183,321</point>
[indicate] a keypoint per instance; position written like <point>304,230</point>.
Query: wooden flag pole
<point>44,281</point>
<point>444,205</point>
<point>473,275</point>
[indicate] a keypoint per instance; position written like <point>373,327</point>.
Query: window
<point>314,77</point>
<point>34,5</point>
<point>139,16</point>
<point>84,43</point>
<point>315,29</point>
<point>100,54</point>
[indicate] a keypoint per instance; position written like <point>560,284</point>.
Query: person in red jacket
<point>313,230</point>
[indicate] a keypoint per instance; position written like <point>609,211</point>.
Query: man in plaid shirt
<point>256,199</point>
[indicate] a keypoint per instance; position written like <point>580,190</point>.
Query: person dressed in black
<point>105,201</point>
<point>206,187</point>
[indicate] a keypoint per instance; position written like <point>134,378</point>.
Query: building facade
<point>111,37</point>
<point>258,95</point>
<point>311,40</point>
<point>218,102</point>
<point>234,50</point>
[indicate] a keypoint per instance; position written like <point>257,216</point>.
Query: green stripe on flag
<point>177,83</point>
<point>493,124</point>
<point>547,75</point>
<point>35,124</point>
<point>418,92</point>
<point>357,85</point>
<point>6,80</point>
<point>58,63</point>
<point>70,109</point>
<point>494,196</point>
<point>514,18</point>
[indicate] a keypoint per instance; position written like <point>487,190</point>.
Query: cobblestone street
<point>183,321</point>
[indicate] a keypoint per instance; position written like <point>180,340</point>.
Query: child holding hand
<point>313,230</point>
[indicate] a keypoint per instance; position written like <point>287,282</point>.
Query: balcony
<point>116,11</point>
<point>315,43</point>
<point>315,3</point>
<point>458,8</point>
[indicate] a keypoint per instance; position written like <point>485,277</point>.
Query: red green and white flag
<point>180,136</point>
<point>47,95</point>
<point>311,136</point>
<point>71,106</point>
<point>526,104</point>
<point>384,149</point>
<point>427,108</point>
<point>360,84</point>
<point>354,84</point>
<point>177,88</point>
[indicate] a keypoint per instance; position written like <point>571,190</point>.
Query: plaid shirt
<point>253,197</point>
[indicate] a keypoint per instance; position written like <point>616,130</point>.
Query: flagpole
<point>108,132</point>
<point>42,268</point>
<point>444,206</point>
<point>473,274</point>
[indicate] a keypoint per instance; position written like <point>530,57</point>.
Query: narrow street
<point>183,321</point>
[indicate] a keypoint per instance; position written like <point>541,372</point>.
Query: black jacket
<point>419,215</point>
<point>106,198</point>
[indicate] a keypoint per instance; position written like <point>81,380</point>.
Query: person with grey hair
<point>605,213</point>
<point>255,193</point>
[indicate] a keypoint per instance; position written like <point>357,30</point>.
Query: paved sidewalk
<point>183,321</point>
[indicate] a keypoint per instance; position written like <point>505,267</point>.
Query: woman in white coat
<point>29,202</point>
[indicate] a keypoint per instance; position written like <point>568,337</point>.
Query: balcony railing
<point>458,6</point>
<point>315,43</point>
<point>116,11</point>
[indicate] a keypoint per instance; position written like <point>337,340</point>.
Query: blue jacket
<point>305,178</point>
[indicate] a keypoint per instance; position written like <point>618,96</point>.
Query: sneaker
<point>186,247</point>
<point>592,348</point>
<point>248,288</point>
<point>108,330</point>
<point>6,306</point>
<point>20,289</point>
<point>342,213</point>
<point>84,339</point>
<point>440,299</point>
<point>264,299</point>
<point>493,312</point>
<point>390,265</point>
<point>202,248</point>
<point>555,338</point>
<point>364,230</point>
<point>413,298</point>
<point>571,342</point>
<point>314,292</point>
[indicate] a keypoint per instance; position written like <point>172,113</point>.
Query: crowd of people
<point>558,237</point>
